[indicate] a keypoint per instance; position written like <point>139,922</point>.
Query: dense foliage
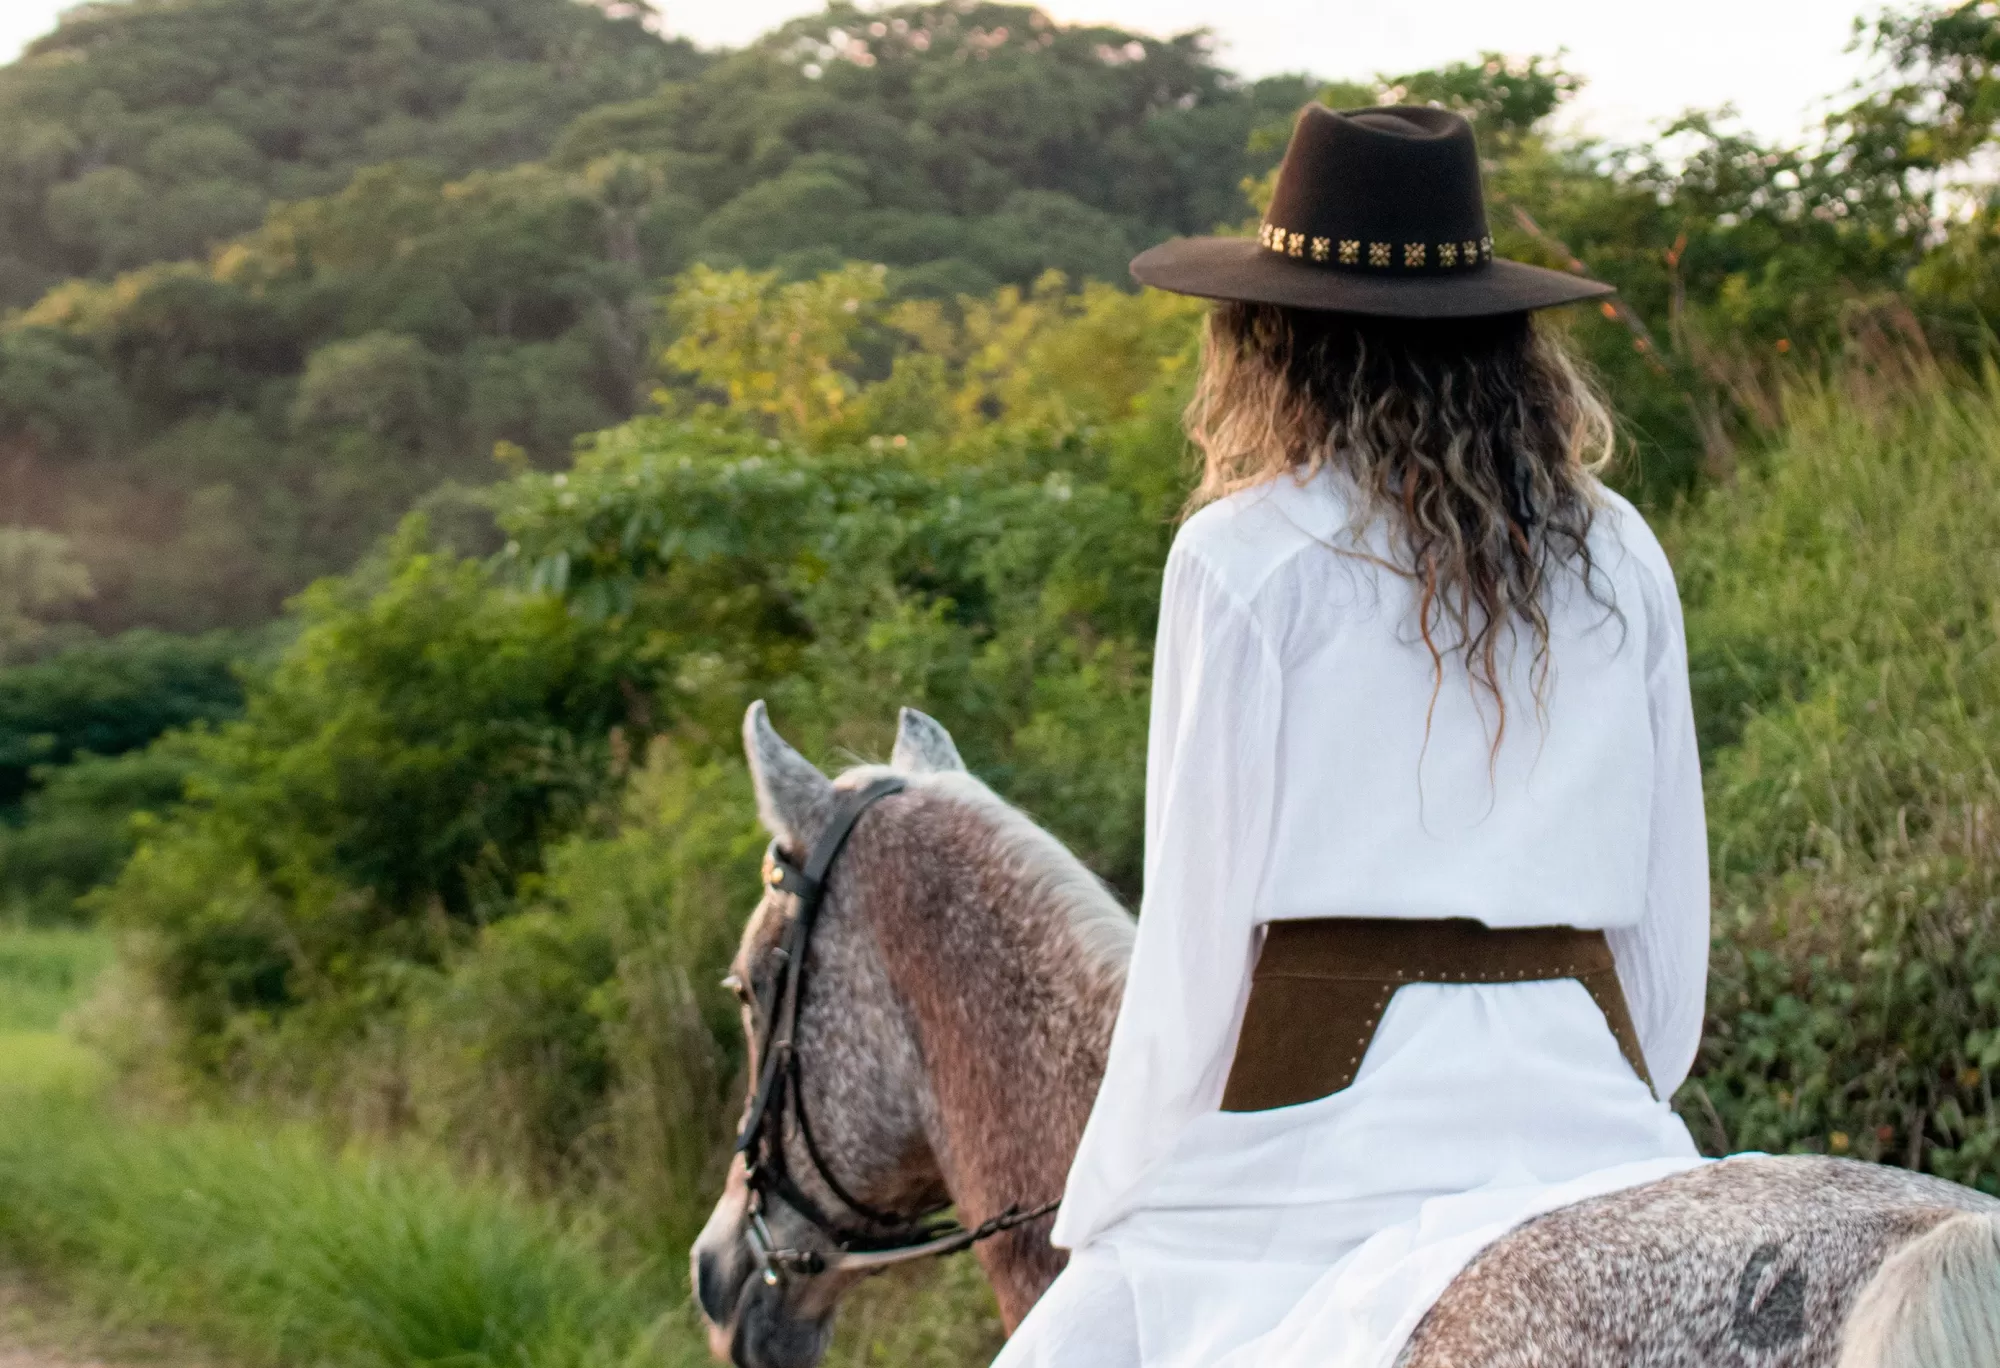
<point>154,131</point>
<point>73,768</point>
<point>421,846</point>
<point>222,434</point>
<point>214,433</point>
<point>966,145</point>
<point>109,697</point>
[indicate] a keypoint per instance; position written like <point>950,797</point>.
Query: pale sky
<point>1647,60</point>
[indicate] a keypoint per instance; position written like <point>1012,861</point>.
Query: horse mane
<point>1048,873</point>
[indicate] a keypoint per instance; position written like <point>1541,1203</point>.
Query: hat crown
<point>1393,189</point>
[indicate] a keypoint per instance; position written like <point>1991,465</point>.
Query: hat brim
<point>1243,269</point>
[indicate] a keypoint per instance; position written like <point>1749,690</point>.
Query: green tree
<point>150,132</point>
<point>781,350</point>
<point>963,144</point>
<point>109,697</point>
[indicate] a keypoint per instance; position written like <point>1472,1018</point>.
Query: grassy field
<point>257,1243</point>
<point>43,973</point>
<point>263,1245</point>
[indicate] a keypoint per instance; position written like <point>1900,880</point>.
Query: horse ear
<point>793,797</point>
<point>923,745</point>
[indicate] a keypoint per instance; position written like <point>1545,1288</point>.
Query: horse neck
<point>1009,957</point>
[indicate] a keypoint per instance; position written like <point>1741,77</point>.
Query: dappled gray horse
<point>929,1014</point>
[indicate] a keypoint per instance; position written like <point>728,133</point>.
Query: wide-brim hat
<point>1376,211</point>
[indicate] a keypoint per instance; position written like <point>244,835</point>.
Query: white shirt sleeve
<point>1663,959</point>
<point>1211,786</point>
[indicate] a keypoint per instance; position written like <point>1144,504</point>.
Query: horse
<point>957,976</point>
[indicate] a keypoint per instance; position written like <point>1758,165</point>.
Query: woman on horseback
<point>1424,939</point>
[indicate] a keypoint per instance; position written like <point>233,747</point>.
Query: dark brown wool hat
<point>1377,211</point>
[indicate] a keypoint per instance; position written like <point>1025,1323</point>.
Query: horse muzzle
<point>753,1323</point>
<point>755,1319</point>
<point>767,1334</point>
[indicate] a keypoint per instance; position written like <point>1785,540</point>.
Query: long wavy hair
<point>1477,441</point>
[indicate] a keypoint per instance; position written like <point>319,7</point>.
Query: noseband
<point>879,1239</point>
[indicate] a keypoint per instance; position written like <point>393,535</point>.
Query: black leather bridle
<point>873,1239</point>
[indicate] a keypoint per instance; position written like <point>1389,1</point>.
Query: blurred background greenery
<point>425,425</point>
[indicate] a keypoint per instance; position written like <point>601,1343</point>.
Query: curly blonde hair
<point>1477,441</point>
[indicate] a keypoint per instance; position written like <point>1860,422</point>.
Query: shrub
<point>77,829</point>
<point>1856,1010</point>
<point>108,697</point>
<point>72,772</point>
<point>1844,621</point>
<point>392,783</point>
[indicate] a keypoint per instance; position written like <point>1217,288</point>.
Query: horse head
<point>931,1037</point>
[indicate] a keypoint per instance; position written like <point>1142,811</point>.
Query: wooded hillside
<point>342,318</point>
<point>158,129</point>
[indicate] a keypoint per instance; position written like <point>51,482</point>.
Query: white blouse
<point>1305,761</point>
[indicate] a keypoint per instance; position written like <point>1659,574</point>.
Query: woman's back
<point>1391,798</point>
<point>1312,756</point>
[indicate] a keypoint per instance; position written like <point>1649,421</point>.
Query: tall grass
<point>43,974</point>
<point>264,1244</point>
<point>259,1243</point>
<point>1844,625</point>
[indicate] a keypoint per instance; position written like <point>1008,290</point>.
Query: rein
<point>883,1239</point>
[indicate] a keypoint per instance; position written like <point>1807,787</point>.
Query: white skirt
<point>1317,1236</point>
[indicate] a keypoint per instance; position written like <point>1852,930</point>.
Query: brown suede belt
<point>1321,986</point>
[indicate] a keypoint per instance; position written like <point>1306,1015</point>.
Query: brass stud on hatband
<point>1295,244</point>
<point>1378,254</point>
<point>1320,247</point>
<point>1413,254</point>
<point>1350,251</point>
<point>1447,254</point>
